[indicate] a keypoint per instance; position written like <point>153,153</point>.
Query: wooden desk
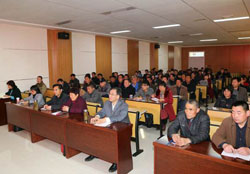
<point>3,114</point>
<point>18,116</point>
<point>196,159</point>
<point>111,144</point>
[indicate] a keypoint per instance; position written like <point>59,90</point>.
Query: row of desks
<point>111,144</point>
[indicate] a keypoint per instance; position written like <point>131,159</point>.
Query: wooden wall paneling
<point>133,56</point>
<point>154,56</point>
<point>236,58</point>
<point>59,56</point>
<point>103,56</point>
<point>247,60</point>
<point>170,57</point>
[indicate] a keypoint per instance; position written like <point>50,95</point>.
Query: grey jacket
<point>94,97</point>
<point>143,94</point>
<point>105,90</point>
<point>199,129</point>
<point>38,98</point>
<point>242,94</point>
<point>120,113</point>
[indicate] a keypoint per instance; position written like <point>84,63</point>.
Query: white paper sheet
<point>236,155</point>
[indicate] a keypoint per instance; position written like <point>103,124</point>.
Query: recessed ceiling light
<point>208,40</point>
<point>243,37</point>
<point>117,32</point>
<point>167,26</point>
<point>175,42</point>
<point>231,19</point>
<point>196,34</point>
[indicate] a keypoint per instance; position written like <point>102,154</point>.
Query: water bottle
<point>85,115</point>
<point>35,106</point>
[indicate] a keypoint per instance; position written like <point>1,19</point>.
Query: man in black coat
<point>128,89</point>
<point>65,86</point>
<point>57,100</point>
<point>191,87</point>
<point>193,123</point>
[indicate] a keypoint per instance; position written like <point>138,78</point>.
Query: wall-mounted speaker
<point>63,35</point>
<point>157,46</point>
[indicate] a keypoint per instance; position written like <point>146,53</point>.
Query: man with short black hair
<point>41,85</point>
<point>58,99</point>
<point>193,124</point>
<point>92,95</point>
<point>233,135</point>
<point>104,88</point>
<point>114,110</point>
<point>145,91</point>
<point>239,92</point>
<point>74,82</point>
<point>65,86</point>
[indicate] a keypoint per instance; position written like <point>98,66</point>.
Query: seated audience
<point>35,96</point>
<point>92,95</point>
<point>75,103</point>
<point>233,135</point>
<point>182,92</point>
<point>13,92</point>
<point>151,83</point>
<point>191,87</point>
<point>104,88</point>
<point>94,78</point>
<point>225,101</point>
<point>42,87</point>
<point>171,80</point>
<point>114,110</point>
<point>74,82</point>
<point>164,94</point>
<point>145,92</point>
<point>120,81</point>
<point>58,99</point>
<point>128,90</point>
<point>87,81</point>
<point>193,124</point>
<point>135,83</point>
<point>239,92</point>
<point>113,83</point>
<point>65,86</point>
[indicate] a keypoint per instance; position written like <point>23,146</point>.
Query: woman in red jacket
<point>164,94</point>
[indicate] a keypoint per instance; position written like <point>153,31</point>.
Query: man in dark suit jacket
<point>114,110</point>
<point>193,124</point>
<point>58,99</point>
<point>239,92</point>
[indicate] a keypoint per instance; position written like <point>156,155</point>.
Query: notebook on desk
<point>236,155</point>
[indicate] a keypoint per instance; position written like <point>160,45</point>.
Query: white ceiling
<point>195,16</point>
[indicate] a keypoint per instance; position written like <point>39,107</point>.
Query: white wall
<point>177,58</point>
<point>23,55</point>
<point>144,56</point>
<point>119,55</point>
<point>83,54</point>
<point>163,57</point>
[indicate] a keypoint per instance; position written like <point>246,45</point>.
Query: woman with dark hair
<point>35,96</point>
<point>226,100</point>
<point>75,103</point>
<point>164,94</point>
<point>14,92</point>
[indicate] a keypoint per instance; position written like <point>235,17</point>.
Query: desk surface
<point>195,158</point>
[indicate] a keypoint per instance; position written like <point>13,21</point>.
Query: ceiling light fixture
<point>231,19</point>
<point>196,34</point>
<point>171,42</point>
<point>117,32</point>
<point>167,26</point>
<point>243,37</point>
<point>208,40</point>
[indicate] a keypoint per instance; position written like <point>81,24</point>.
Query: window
<point>197,54</point>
